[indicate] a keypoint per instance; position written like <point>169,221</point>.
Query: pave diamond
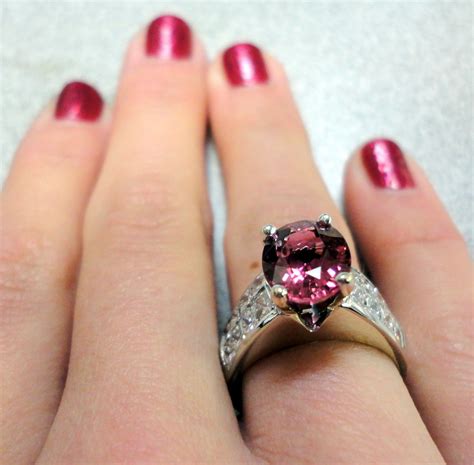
<point>254,307</point>
<point>247,315</point>
<point>233,334</point>
<point>367,299</point>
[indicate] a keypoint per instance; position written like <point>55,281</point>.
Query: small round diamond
<point>305,259</point>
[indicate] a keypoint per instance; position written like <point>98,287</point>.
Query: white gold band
<point>258,327</point>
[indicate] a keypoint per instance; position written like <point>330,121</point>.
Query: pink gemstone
<point>306,260</point>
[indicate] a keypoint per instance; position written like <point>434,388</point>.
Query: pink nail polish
<point>386,165</point>
<point>244,65</point>
<point>168,37</point>
<point>79,101</point>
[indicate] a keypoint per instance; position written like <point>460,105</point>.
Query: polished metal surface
<point>259,326</point>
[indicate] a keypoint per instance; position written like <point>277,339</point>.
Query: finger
<point>266,158</point>
<point>144,342</point>
<point>422,266</point>
<point>42,208</point>
<point>290,397</point>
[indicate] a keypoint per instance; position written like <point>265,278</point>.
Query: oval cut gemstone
<point>305,259</point>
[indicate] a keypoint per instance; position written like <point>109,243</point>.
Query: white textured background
<point>358,69</point>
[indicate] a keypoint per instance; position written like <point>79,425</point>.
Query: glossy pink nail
<point>79,101</point>
<point>244,65</point>
<point>386,165</point>
<point>168,37</point>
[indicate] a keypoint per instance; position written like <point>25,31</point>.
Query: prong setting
<point>324,221</point>
<point>345,281</point>
<point>269,230</point>
<point>280,296</point>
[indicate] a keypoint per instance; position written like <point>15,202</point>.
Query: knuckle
<point>145,212</point>
<point>53,148</point>
<point>452,340</point>
<point>246,219</point>
<point>24,257</point>
<point>274,122</point>
<point>436,238</point>
<point>153,87</point>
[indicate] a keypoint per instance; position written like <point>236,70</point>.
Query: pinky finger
<point>422,266</point>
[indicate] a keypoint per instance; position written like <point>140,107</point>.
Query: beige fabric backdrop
<point>358,69</point>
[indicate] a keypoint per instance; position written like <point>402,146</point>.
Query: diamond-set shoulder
<point>366,299</point>
<point>256,308</point>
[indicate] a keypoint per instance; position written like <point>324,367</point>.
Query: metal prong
<point>307,311</point>
<point>280,296</point>
<point>324,221</point>
<point>269,230</point>
<point>345,280</point>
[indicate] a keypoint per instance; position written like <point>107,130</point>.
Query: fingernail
<point>168,37</point>
<point>386,165</point>
<point>244,65</point>
<point>79,101</point>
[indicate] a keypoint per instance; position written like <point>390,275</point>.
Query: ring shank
<point>284,332</point>
<point>258,328</point>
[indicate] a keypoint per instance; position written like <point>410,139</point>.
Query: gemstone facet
<point>305,258</point>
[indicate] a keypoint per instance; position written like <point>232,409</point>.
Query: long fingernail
<point>386,165</point>
<point>244,65</point>
<point>168,37</point>
<point>79,101</point>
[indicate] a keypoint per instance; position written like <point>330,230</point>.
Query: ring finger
<point>270,178</point>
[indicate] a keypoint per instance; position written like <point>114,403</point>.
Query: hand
<point>109,341</point>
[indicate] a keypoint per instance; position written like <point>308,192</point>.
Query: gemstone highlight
<point>305,258</point>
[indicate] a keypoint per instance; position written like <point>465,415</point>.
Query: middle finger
<point>144,370</point>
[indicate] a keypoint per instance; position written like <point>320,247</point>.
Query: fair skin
<point>110,349</point>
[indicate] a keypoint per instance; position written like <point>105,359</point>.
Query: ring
<point>307,291</point>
